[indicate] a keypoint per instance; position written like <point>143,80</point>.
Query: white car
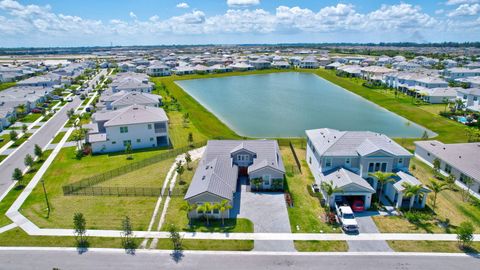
<point>347,218</point>
<point>68,99</point>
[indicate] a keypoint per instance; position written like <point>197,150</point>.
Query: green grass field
<point>30,118</point>
<point>6,85</point>
<point>321,246</point>
<point>432,246</point>
<point>223,245</point>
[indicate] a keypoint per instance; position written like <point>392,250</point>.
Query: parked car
<point>68,99</point>
<point>88,109</point>
<point>358,206</point>
<point>346,218</point>
<point>37,110</point>
<point>315,188</point>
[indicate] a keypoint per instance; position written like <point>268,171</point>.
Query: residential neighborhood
<point>240,134</point>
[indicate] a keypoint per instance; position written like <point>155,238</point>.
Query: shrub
<point>416,217</point>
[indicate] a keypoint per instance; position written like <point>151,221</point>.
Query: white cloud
<point>242,3</point>
<point>439,11</point>
<point>465,10</point>
<point>182,5</point>
<point>132,15</point>
<point>459,2</point>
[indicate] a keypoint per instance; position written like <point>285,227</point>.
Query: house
<point>136,125</point>
<point>224,162</point>
<point>131,82</point>
<point>437,95</point>
<point>470,81</point>
<point>241,66</point>
<point>158,70</point>
<point>459,72</point>
<point>260,64</point>
<point>280,64</point>
<point>470,98</point>
<point>47,80</point>
<point>460,160</point>
<point>183,70</point>
<point>124,99</point>
<point>406,66</point>
<point>334,65</point>
<point>350,70</point>
<point>347,158</point>
<point>309,62</point>
<point>396,192</point>
<point>375,73</point>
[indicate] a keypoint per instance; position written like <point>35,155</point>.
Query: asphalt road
<point>41,137</point>
<point>217,260</point>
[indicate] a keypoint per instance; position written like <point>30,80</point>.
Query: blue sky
<point>155,22</point>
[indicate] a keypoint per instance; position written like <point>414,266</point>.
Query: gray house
<point>224,162</point>
<point>461,160</point>
<point>347,158</point>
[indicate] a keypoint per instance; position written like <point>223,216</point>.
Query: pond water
<point>287,104</point>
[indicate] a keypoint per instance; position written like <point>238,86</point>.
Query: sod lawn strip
<point>58,137</point>
<point>320,246</point>
<point>217,245</point>
<point>432,246</point>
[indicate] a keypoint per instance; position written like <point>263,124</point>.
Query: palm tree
<point>223,206</point>
<point>205,209</point>
<point>382,179</point>
<point>436,187</point>
<point>329,188</point>
<point>411,191</point>
<point>459,104</point>
<point>189,207</point>
<point>447,103</point>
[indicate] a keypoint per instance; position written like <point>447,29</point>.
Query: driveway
<point>268,212</point>
<point>367,225</point>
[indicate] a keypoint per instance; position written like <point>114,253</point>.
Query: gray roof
<point>463,156</point>
<point>347,180</point>
<point>135,114</point>
<point>131,98</point>
<point>331,142</point>
<point>403,177</point>
<point>216,174</point>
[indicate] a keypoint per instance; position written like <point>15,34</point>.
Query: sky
<point>63,23</point>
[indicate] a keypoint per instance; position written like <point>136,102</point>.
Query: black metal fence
<point>91,181</point>
<point>296,157</point>
<point>121,191</point>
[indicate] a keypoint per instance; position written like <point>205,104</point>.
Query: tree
<point>437,187</point>
<point>189,207</point>
<point>468,183</point>
<point>176,238</point>
<point>256,182</point>
<point>205,208</point>
<point>128,150</point>
<point>447,103</point>
<point>13,135</point>
<point>70,113</point>
<point>411,191</point>
<point>180,169</point>
<point>127,235</point>
<point>382,179</point>
<point>190,139</point>
<point>436,167</point>
<point>465,234</point>
<point>223,206</point>
<point>28,161</point>
<point>425,135</point>
<point>80,227</point>
<point>188,159</point>
<point>21,110</point>
<point>17,174</point>
<point>38,151</point>
<point>24,128</point>
<point>329,188</point>
<point>450,180</point>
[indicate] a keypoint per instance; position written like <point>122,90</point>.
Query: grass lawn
<point>2,157</point>
<point>177,215</point>
<point>220,245</point>
<point>6,85</point>
<point>58,137</point>
<point>448,131</point>
<point>101,212</point>
<point>321,246</point>
<point>21,140</point>
<point>6,139</point>
<point>15,192</point>
<point>306,213</point>
<point>432,246</point>
<point>449,206</point>
<point>17,237</point>
<point>30,118</point>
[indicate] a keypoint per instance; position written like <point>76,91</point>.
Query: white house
<point>470,98</point>
<point>459,72</point>
<point>136,125</point>
<point>309,62</point>
<point>131,82</point>
<point>158,70</point>
<point>347,158</point>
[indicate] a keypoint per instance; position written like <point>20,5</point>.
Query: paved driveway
<point>367,225</point>
<point>268,212</point>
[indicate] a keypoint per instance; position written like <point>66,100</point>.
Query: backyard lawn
<point>321,246</point>
<point>101,212</point>
<point>306,216</point>
<point>450,206</point>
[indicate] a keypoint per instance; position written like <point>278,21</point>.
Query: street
<point>117,259</point>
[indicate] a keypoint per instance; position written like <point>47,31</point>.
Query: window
<point>151,139</point>
<point>464,96</point>
<point>216,211</point>
<point>400,160</point>
<point>377,167</point>
<point>384,167</point>
<point>370,167</point>
<point>475,98</point>
<point>464,179</point>
<point>127,142</point>
<point>123,129</point>
<point>243,157</point>
<point>448,168</point>
<point>114,142</point>
<point>149,126</point>
<point>139,140</point>
<point>310,160</point>
<point>328,162</point>
<point>266,180</point>
<point>347,162</point>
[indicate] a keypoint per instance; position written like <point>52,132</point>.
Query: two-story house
<point>224,162</point>
<point>470,98</point>
<point>348,158</point>
<point>138,126</point>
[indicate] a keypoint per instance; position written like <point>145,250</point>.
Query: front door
<point>242,171</point>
